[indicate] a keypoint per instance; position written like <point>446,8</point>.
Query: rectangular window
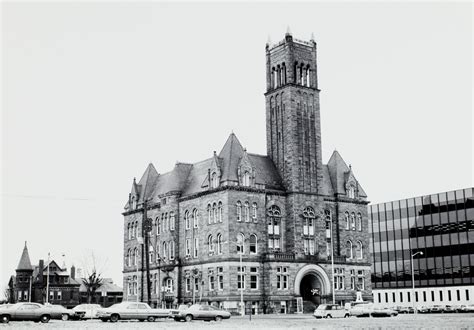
<point>20,295</point>
<point>380,296</point>
<point>253,281</point>
<point>25,295</point>
<point>338,279</point>
<point>449,295</point>
<point>51,295</point>
<point>172,250</point>
<point>416,296</point>
<point>424,296</point>
<point>211,283</point>
<point>467,294</point>
<point>440,295</point>
<point>241,282</point>
<point>401,296</point>
<point>220,278</point>
<point>172,220</point>
<point>311,247</point>
<point>196,284</point>
<point>188,247</point>
<point>59,295</point>
<point>188,284</point>
<point>432,296</point>
<point>196,246</point>
<point>386,296</point>
<point>458,295</point>
<point>393,297</point>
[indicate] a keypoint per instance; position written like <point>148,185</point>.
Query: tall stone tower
<point>292,114</point>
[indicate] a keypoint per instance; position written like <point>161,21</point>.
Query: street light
<point>413,280</point>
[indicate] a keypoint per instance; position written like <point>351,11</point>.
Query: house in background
<point>106,295</point>
<point>30,282</point>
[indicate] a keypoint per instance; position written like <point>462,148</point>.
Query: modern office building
<point>438,231</point>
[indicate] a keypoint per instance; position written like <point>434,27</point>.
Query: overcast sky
<point>93,92</point>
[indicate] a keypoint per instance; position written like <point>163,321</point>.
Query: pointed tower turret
<point>25,263</point>
<point>23,276</point>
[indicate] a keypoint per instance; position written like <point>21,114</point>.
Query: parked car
<point>26,312</point>
<point>201,312</point>
<point>423,309</point>
<point>132,311</point>
<point>383,312</point>
<point>330,311</point>
<point>59,312</point>
<point>404,310</point>
<point>437,309</point>
<point>361,310</point>
<point>467,309</point>
<point>86,311</point>
<point>451,309</point>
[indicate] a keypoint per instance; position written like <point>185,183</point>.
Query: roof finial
<point>312,36</point>
<point>288,32</point>
<point>215,152</point>
<point>269,41</point>
<point>25,243</point>
<point>134,180</point>
<point>350,167</point>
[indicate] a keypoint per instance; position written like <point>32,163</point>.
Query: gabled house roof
<point>339,173</point>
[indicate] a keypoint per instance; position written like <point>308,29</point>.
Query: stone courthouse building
<point>254,228</point>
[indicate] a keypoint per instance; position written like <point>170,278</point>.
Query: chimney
<point>73,272</point>
<point>40,272</point>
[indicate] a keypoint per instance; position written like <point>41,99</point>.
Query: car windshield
<point>116,306</point>
<point>321,307</point>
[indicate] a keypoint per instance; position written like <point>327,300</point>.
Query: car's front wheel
<point>65,317</point>
<point>218,318</point>
<point>151,319</point>
<point>5,318</point>
<point>114,318</point>
<point>44,318</point>
<point>189,318</point>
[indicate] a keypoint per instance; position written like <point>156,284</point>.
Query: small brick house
<point>281,232</point>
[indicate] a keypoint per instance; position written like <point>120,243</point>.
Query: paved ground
<point>424,321</point>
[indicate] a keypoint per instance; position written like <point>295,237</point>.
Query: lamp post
<point>413,281</point>
<point>140,243</point>
<point>47,281</point>
<point>332,264</point>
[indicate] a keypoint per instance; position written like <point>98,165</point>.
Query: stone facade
<point>271,215</point>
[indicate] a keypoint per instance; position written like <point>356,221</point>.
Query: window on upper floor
<point>209,214</point>
<point>240,243</point>
<point>210,244</point>
<point>359,222</point>
<point>254,212</point>
<point>187,222</point>
<point>347,220</point>
<point>195,218</point>
<point>214,180</point>
<point>164,251</point>
<point>308,221</point>
<point>351,192</point>
<point>151,254</point>
<point>171,250</point>
<point>349,250</point>
<point>360,249</point>
<point>214,212</point>
<point>239,211</point>
<point>246,211</point>
<point>253,244</point>
<point>246,179</point>
<point>219,212</point>
<point>353,223</point>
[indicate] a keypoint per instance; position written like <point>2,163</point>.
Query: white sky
<point>93,92</point>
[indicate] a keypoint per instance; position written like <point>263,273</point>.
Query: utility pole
<point>47,281</point>
<point>146,228</point>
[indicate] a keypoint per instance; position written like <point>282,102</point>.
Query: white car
<point>132,311</point>
<point>87,311</point>
<point>330,311</point>
<point>362,310</point>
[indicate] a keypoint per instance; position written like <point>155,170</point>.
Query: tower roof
<point>25,263</point>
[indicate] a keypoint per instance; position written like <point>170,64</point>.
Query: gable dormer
<point>246,171</point>
<point>350,184</point>
<point>133,196</point>
<point>214,173</point>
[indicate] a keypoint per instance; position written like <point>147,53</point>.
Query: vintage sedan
<point>59,312</point>
<point>383,312</point>
<point>362,310</point>
<point>132,311</point>
<point>26,312</point>
<point>330,311</point>
<point>86,311</point>
<point>201,312</point>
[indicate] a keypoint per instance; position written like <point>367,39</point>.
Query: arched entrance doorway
<point>312,286</point>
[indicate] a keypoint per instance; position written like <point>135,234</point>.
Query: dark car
<point>27,312</point>
<point>201,312</point>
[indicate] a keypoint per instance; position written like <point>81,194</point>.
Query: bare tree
<point>92,275</point>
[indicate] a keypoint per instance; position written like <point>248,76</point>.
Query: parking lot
<point>409,321</point>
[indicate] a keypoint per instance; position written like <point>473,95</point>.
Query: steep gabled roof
<point>147,182</point>
<point>25,263</point>
<point>339,172</point>
<point>265,171</point>
<point>230,155</point>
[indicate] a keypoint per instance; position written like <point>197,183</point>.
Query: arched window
<point>187,223</point>
<point>129,233</point>
<point>274,218</point>
<point>210,244</point>
<point>360,254</point>
<point>135,257</point>
<point>247,211</point>
<point>219,244</point>
<point>164,251</point>
<point>219,211</point>
<point>172,220</point>
<point>209,214</point>
<point>167,225</point>
<point>346,217</point>
<point>254,212</point>
<point>214,212</point>
<point>158,255</point>
<point>359,222</point>
<point>284,73</point>
<point>307,77</point>
<point>214,180</point>
<point>241,243</point>
<point>195,218</point>
<point>151,254</point>
<point>350,250</point>
<point>246,179</point>
<point>129,257</point>
<point>163,224</point>
<point>351,191</point>
<point>239,211</point>
<point>308,221</point>
<point>171,250</point>
<point>253,244</point>
<point>353,222</point>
